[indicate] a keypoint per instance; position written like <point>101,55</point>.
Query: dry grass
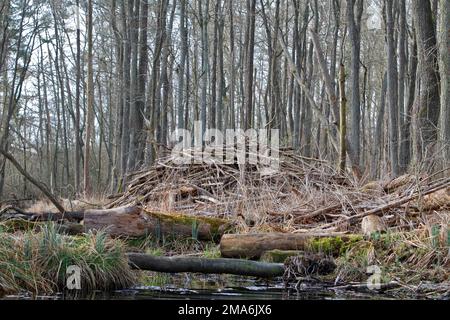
<point>37,261</point>
<point>422,254</point>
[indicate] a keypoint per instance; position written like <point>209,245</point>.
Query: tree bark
<point>342,119</point>
<point>250,40</point>
<point>392,83</point>
<point>354,25</point>
<point>77,157</point>
<point>90,105</point>
<point>181,69</point>
<point>136,120</point>
<point>427,105</point>
<point>444,67</point>
<point>402,63</point>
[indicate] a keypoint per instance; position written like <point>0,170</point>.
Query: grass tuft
<point>37,261</point>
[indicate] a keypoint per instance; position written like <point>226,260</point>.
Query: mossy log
<point>204,265</point>
<point>137,222</point>
<point>252,246</point>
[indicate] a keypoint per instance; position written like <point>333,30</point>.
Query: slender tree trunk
<point>377,145</point>
<point>354,25</point>
<point>125,138</point>
<point>90,105</point>
<point>221,82</point>
<point>181,70</point>
<point>135,117</point>
<point>392,82</point>
<point>77,157</point>
<point>402,60</point>
<point>203,19</point>
<point>444,67</point>
<point>342,119</point>
<point>251,11</point>
<point>427,105</point>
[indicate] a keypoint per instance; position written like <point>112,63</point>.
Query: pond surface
<point>206,287</point>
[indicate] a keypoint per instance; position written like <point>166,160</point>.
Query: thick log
<point>203,265</point>
<point>137,222</point>
<point>253,245</point>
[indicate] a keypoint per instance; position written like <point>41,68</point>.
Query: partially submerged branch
<point>204,265</point>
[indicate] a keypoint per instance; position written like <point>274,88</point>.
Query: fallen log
<point>253,245</point>
<point>137,222</point>
<point>204,265</point>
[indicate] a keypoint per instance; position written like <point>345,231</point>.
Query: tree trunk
<point>125,138</point>
<point>342,119</point>
<point>444,68</point>
<point>378,135</point>
<point>392,82</point>
<point>427,106</point>
<point>90,105</point>
<point>354,25</point>
<point>250,40</point>
<point>181,70</point>
<point>135,120</point>
<point>203,19</point>
<point>402,63</point>
<point>77,157</point>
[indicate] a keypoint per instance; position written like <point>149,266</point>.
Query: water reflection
<point>192,286</point>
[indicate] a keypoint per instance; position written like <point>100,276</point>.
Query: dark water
<point>217,287</point>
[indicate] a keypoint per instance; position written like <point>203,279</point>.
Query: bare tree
<point>392,83</point>
<point>444,67</point>
<point>427,103</point>
<point>354,14</point>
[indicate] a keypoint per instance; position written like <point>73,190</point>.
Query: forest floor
<point>398,228</point>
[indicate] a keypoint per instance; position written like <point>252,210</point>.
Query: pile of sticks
<point>228,189</point>
<point>304,194</point>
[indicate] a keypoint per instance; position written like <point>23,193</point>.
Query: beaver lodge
<point>304,221</point>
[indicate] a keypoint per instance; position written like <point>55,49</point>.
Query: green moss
<point>211,251</point>
<point>279,256</point>
<point>217,226</point>
<point>155,251</point>
<point>335,246</point>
